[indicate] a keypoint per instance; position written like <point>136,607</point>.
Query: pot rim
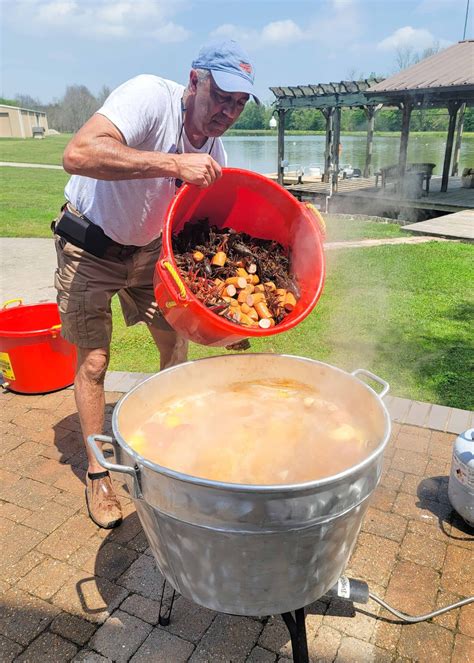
<point>241,487</point>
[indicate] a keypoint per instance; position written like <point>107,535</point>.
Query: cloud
<point>274,33</point>
<point>408,37</point>
<point>100,19</point>
<point>341,19</point>
<point>247,36</point>
<point>171,33</point>
<point>279,32</point>
<point>57,12</point>
<point>342,5</point>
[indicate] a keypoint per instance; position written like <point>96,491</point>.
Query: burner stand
<point>295,624</point>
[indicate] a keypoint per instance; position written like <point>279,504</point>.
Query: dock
<point>361,194</point>
<point>455,199</point>
<point>459,225</point>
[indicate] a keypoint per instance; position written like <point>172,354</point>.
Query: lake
<point>259,153</point>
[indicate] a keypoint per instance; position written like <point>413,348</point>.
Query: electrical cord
<point>419,618</point>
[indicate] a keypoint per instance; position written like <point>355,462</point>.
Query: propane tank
<point>461,480</point>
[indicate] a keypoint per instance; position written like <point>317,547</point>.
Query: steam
<point>359,299</point>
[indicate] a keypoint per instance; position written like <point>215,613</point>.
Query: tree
<point>253,117</point>
<point>26,101</point>
<point>429,119</point>
<point>353,119</point>
<point>77,106</point>
<point>55,116</point>
<point>388,119</point>
<point>104,92</point>
<point>428,52</point>
<point>406,56</point>
<point>305,119</point>
<point>8,102</point>
<point>469,119</point>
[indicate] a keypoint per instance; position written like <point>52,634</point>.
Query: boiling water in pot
<point>261,432</point>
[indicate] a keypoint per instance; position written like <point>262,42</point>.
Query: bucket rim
<point>30,333</point>
<point>354,470</point>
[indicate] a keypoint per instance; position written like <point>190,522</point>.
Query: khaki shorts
<point>86,284</point>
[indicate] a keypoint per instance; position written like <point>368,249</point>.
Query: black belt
<point>85,234</point>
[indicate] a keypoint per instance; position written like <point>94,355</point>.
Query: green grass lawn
<point>346,227</point>
<point>402,312</point>
<point>30,198</point>
<point>49,150</point>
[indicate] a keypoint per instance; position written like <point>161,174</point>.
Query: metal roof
<point>451,68</point>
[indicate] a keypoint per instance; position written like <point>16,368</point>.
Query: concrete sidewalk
<point>71,591</point>
<point>16,164</point>
<point>27,269</point>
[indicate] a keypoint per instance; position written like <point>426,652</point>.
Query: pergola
<point>445,79</point>
<point>329,98</point>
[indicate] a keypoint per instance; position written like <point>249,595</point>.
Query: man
<point>150,135</point>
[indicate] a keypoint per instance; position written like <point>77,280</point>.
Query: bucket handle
<point>124,469</point>
<point>12,301</point>
<point>375,378</point>
<point>169,274</point>
<point>55,330</point>
<point>319,219</point>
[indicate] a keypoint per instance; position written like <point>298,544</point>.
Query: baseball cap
<point>230,66</point>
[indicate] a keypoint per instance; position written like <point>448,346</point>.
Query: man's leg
<point>102,502</point>
<point>172,347</point>
<point>89,394</point>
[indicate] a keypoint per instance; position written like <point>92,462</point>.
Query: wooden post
<point>402,159</point>
<point>281,143</point>
<point>370,113</point>
<point>328,114</point>
<point>335,146</point>
<point>453,109</point>
<point>457,147</point>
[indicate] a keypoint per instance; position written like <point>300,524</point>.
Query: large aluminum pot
<point>247,549</point>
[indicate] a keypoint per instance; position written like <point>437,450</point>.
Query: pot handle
<point>375,378</point>
<point>124,469</point>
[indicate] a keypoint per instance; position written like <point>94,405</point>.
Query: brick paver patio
<point>70,591</point>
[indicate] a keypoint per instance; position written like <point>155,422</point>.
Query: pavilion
<point>445,79</point>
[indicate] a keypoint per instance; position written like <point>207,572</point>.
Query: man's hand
<point>239,346</point>
<point>199,169</point>
<point>150,313</point>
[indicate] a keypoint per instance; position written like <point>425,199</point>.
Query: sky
<point>50,44</point>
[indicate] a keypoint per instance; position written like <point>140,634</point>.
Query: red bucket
<point>251,203</point>
<point>34,359</point>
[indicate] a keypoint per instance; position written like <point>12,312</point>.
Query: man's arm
<point>99,150</point>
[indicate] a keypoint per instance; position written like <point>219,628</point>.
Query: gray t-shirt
<point>147,110</point>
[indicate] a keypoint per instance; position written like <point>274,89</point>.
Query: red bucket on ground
<point>250,203</point>
<point>34,359</point>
